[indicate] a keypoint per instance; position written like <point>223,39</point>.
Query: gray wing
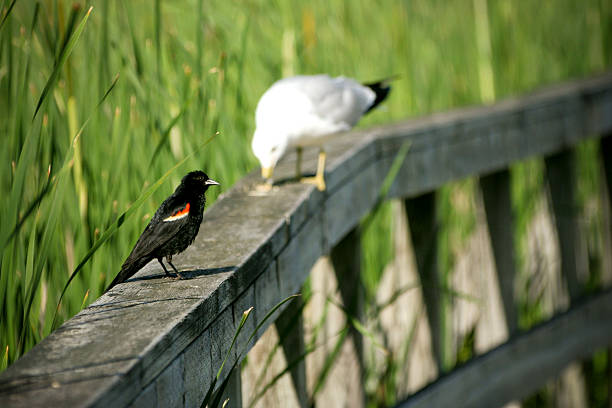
<point>336,100</point>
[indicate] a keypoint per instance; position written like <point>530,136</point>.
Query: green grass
<point>190,69</point>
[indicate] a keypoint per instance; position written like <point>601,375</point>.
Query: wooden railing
<point>158,342</point>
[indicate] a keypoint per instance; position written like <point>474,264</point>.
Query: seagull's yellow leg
<point>266,174</point>
<point>319,178</point>
<point>298,162</point>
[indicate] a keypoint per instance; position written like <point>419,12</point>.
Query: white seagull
<point>305,111</point>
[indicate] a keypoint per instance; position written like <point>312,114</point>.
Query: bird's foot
<point>317,180</point>
<point>264,188</point>
<point>261,189</point>
<point>179,276</point>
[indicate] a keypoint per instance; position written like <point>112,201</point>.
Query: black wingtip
<point>381,89</point>
<point>127,270</point>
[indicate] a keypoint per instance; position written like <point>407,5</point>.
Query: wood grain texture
<point>111,352</point>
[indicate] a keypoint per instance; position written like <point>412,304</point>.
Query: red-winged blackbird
<point>172,229</point>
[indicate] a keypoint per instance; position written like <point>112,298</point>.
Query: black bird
<point>172,229</point>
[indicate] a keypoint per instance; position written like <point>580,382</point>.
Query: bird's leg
<point>298,162</point>
<point>320,176</point>
<point>169,260</point>
<point>163,266</point>
<point>319,179</point>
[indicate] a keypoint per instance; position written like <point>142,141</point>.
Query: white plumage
<point>305,111</point>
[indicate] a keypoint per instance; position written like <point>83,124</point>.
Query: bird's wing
<point>337,100</point>
<point>304,108</point>
<point>164,226</point>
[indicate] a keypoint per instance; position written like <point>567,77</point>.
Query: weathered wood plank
<point>346,260</point>
<point>405,318</point>
<point>606,209</point>
<point>529,360</point>
<point>562,183</point>
<point>290,326</point>
<point>145,324</point>
<point>606,155</point>
<point>339,384</point>
<point>570,388</point>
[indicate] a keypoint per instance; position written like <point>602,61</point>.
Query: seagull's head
<point>268,150</point>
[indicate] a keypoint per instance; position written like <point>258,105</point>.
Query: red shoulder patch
<point>183,211</point>
<point>179,214</point>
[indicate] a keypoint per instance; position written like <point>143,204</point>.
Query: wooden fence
<point>158,342</point>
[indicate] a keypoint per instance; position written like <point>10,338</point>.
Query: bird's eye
<point>274,149</point>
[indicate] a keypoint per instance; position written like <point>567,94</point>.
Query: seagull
<point>308,110</point>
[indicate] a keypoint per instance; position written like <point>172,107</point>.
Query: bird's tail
<point>381,89</point>
<point>128,269</point>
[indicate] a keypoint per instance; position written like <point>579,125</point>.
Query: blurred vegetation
<point>189,69</point>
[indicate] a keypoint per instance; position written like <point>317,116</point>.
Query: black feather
<point>166,238</point>
<point>381,89</point>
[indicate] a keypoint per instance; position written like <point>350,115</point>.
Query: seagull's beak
<point>211,182</point>
<point>266,172</point>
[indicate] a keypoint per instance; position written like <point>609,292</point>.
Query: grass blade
<point>269,314</point>
<point>210,393</point>
<point>8,11</point>
<point>245,316</point>
<point>290,366</point>
<point>216,398</point>
<point>18,184</point>
<point>329,361</point>
<point>164,136</point>
<point>394,296</point>
<point>389,179</point>
<point>358,326</point>
<point>219,393</point>
<point>64,54</point>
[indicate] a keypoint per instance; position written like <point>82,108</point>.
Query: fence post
<point>290,327</point>
<point>606,154</point>
<point>421,212</point>
<point>346,259</point>
<point>500,222</point>
<point>265,361</point>
<point>562,184</point>
<point>335,368</point>
<point>404,327</point>
<point>606,196</point>
<point>606,208</point>
<point>571,389</point>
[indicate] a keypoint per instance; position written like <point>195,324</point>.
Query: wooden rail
<point>525,363</point>
<point>158,342</point>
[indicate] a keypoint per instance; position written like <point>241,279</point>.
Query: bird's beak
<point>211,182</point>
<point>266,172</point>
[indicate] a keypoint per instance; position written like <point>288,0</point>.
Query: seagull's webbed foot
<point>264,187</point>
<point>319,179</point>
